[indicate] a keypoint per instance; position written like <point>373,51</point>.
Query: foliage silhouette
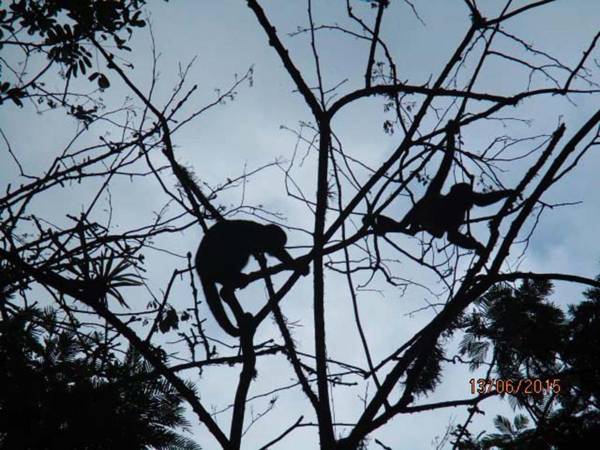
<point>62,30</point>
<point>533,339</point>
<point>57,397</point>
<point>99,220</point>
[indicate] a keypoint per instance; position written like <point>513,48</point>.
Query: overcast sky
<point>251,131</point>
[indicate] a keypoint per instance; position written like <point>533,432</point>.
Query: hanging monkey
<point>224,251</point>
<point>440,214</point>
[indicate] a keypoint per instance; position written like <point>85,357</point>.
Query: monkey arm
<point>299,264</point>
<point>244,319</point>
<point>487,198</point>
<point>228,295</point>
<point>435,187</point>
<point>383,224</point>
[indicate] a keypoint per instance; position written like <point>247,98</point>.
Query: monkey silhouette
<point>222,254</point>
<point>440,214</point>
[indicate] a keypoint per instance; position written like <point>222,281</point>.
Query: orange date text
<point>526,386</point>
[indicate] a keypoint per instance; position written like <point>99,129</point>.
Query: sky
<point>225,39</point>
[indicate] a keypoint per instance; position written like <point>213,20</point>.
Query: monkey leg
<point>244,319</point>
<point>462,240</point>
<point>487,198</point>
<point>228,296</point>
<point>383,224</point>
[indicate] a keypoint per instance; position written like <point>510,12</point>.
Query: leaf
<point>15,95</point>
<point>503,424</point>
<point>103,82</point>
<point>521,422</point>
<point>169,321</point>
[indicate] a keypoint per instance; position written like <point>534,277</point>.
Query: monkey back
<point>439,213</point>
<point>226,248</point>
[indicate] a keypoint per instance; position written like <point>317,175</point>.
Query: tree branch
<point>513,276</point>
<point>284,55</point>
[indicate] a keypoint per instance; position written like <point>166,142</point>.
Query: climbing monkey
<point>440,214</point>
<point>224,251</point>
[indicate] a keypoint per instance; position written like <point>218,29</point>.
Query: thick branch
<point>391,89</point>
<point>287,339</point>
<point>246,375</point>
<point>513,276</point>
<point>381,420</point>
<point>518,11</point>
<point>374,40</point>
<point>324,412</point>
<point>284,55</point>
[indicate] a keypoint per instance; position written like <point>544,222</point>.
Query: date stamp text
<point>520,386</point>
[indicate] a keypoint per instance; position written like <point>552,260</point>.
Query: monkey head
<point>274,240</point>
<point>461,196</point>
<point>461,190</point>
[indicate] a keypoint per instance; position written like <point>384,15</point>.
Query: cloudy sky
<point>255,129</point>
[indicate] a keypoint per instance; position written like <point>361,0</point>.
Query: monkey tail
<point>215,304</point>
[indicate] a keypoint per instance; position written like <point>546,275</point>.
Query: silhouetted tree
<point>65,391</point>
<point>78,222</point>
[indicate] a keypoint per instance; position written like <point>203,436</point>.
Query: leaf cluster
<point>69,392</point>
